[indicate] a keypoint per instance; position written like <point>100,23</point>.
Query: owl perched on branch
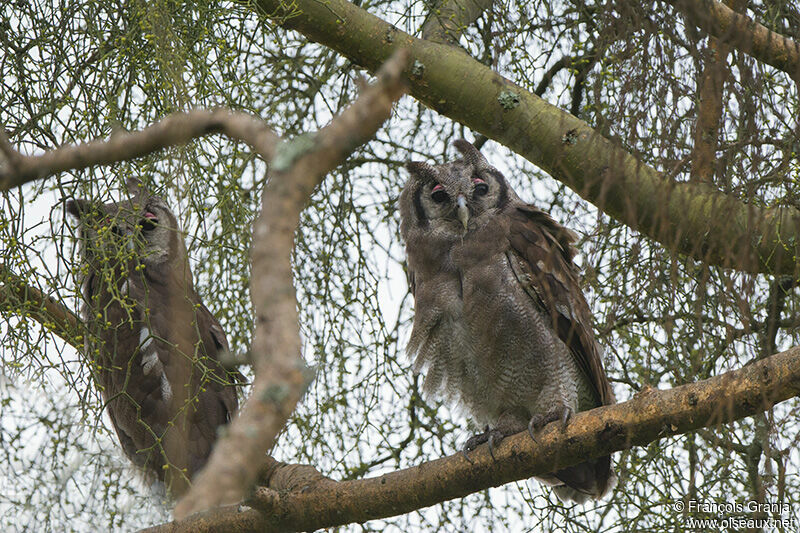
<point>501,326</point>
<point>153,345</point>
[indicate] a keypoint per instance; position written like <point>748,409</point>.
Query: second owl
<point>154,346</point>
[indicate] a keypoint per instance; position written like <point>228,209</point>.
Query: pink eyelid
<point>477,180</point>
<point>437,188</point>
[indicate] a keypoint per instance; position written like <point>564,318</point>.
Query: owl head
<point>453,199</point>
<point>140,228</point>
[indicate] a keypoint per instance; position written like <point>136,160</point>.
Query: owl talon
<point>476,440</point>
<point>562,414</point>
<point>494,438</point>
<point>531,427</point>
<point>465,453</point>
<point>490,436</point>
<point>565,417</point>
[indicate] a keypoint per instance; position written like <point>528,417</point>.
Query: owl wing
<point>212,388</point>
<point>216,343</point>
<point>541,257</point>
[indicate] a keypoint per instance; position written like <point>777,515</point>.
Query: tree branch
<point>447,22</point>
<point>176,129</point>
<point>651,415</point>
<point>19,298</point>
<point>743,33</point>
<point>281,378</point>
<point>691,218</point>
<point>711,86</point>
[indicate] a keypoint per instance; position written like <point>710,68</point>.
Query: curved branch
<point>19,298</point>
<point>176,129</point>
<point>743,33</point>
<point>651,415</point>
<point>297,168</point>
<point>690,218</point>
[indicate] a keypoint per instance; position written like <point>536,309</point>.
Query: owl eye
<point>480,187</point>
<point>438,194</point>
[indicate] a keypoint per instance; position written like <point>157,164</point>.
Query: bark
<point>281,377</point>
<point>650,416</point>
<point>690,218</point>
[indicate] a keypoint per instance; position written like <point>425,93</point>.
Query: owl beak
<point>463,210</point>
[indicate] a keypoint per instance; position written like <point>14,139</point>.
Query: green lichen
<point>291,150</point>
<point>570,138</point>
<point>508,99</point>
<point>275,394</point>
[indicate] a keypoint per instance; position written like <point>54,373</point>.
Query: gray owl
<point>501,327</point>
<point>154,346</point>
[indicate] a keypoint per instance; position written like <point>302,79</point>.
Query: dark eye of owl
<point>149,221</point>
<point>481,187</point>
<point>438,194</point>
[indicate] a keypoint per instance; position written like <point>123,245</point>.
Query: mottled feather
<point>501,327</point>
<point>155,347</point>
<point>543,250</point>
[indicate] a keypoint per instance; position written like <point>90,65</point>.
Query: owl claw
<point>565,417</point>
<point>531,427</point>
<point>494,438</point>
<point>491,436</point>
<point>465,453</point>
<point>562,414</point>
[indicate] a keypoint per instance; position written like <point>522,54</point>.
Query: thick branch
<point>690,218</point>
<point>711,87</point>
<point>744,34</point>
<point>18,297</point>
<point>651,415</point>
<point>447,22</point>
<point>298,167</point>
<point>177,129</point>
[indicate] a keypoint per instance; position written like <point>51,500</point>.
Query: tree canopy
<point>665,134</point>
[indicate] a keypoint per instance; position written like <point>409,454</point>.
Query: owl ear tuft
<point>78,207</point>
<point>134,186</point>
<point>422,170</point>
<point>471,154</point>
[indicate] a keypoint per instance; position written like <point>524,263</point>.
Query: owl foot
<point>537,422</point>
<point>492,436</point>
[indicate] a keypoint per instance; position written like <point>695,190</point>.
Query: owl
<point>501,327</point>
<point>154,347</point>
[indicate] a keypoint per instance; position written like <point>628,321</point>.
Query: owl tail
<point>592,479</point>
